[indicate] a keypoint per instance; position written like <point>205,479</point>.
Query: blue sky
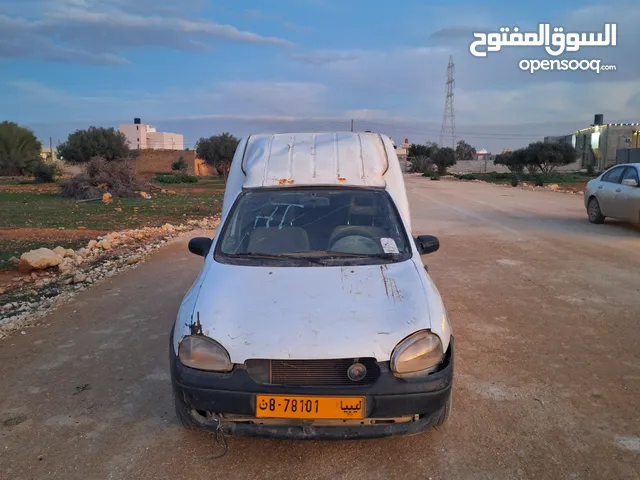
<point>198,67</point>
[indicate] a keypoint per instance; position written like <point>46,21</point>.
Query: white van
<point>313,315</point>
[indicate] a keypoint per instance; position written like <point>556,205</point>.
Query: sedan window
<point>614,175</point>
<point>631,173</point>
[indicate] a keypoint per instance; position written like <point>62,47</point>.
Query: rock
<point>118,209</point>
<point>33,293</point>
<point>92,244</point>
<point>34,275</point>
<point>14,260</point>
<point>68,281</point>
<point>39,259</point>
<point>167,227</point>
<point>17,279</point>
<point>59,251</point>
<point>69,252</point>
<point>133,260</point>
<point>82,228</point>
<point>145,195</point>
<point>139,236</point>
<point>104,244</point>
<point>107,198</point>
<point>555,187</point>
<point>79,278</point>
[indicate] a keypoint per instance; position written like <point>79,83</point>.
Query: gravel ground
<point>545,309</point>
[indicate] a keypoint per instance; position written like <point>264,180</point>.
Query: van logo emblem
<point>357,372</point>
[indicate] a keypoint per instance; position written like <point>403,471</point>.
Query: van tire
<point>593,211</point>
<point>445,413</point>
<point>182,412</point>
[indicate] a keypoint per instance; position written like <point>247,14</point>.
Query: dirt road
<point>546,313</point>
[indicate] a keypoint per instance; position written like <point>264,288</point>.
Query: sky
<point>200,67</point>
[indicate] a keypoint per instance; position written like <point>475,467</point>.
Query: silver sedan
<point>615,194</point>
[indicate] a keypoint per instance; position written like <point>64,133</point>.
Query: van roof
<point>324,159</point>
<point>328,158</point>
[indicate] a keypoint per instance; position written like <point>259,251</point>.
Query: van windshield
<point>316,226</point>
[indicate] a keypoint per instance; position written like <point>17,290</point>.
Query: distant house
<point>45,154</point>
<point>598,144</point>
<point>142,137</point>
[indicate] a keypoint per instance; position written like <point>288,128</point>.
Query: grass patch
<point>172,179</point>
<point>33,210</point>
<point>554,177</point>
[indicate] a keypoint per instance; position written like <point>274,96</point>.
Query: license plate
<point>312,407</point>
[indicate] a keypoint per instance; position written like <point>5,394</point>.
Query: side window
<point>614,175</point>
<point>631,173</point>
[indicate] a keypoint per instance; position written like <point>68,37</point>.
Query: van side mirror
<point>200,245</point>
<point>427,244</point>
<point>630,182</point>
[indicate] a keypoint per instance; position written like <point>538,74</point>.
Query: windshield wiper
<point>276,256</point>
<point>328,253</point>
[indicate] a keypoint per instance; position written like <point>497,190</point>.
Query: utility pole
<point>352,124</point>
<point>448,117</point>
<point>51,148</point>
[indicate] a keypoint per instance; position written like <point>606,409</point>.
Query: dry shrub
<point>116,177</point>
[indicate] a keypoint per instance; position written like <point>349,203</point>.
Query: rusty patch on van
<point>390,287</point>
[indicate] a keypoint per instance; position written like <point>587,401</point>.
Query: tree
<point>464,151</point>
<point>426,150</point>
<point>218,151</point>
<point>514,161</point>
<point>19,150</point>
<point>548,156</point>
<point>83,145</point>
<point>443,158</point>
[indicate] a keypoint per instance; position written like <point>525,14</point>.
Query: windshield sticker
<point>389,245</point>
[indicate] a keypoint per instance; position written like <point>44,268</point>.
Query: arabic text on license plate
<point>312,407</point>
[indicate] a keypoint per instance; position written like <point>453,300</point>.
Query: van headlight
<point>420,352</point>
<point>203,353</point>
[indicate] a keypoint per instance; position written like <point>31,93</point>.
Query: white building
<point>141,136</point>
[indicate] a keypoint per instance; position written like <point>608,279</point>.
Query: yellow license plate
<point>312,407</point>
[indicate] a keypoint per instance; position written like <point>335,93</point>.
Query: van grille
<point>328,373</point>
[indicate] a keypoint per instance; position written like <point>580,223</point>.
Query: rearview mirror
<point>200,246</point>
<point>630,182</point>
<point>427,244</point>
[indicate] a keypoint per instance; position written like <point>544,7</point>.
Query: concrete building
<point>598,144</point>
<point>142,137</point>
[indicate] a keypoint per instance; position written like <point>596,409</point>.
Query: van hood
<point>311,312</point>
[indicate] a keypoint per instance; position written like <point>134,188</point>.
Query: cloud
<point>455,32</point>
<point>258,15</point>
<point>324,58</point>
<point>86,31</point>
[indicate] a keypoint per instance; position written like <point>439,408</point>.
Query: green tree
<point>426,150</point>
<point>514,161</point>
<point>464,151</point>
<point>218,151</point>
<point>443,158</point>
<point>83,145</point>
<point>19,150</point>
<point>548,156</point>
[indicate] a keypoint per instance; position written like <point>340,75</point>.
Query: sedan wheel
<point>593,210</point>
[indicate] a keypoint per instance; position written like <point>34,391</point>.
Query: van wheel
<point>182,411</point>
<point>594,212</point>
<point>446,411</point>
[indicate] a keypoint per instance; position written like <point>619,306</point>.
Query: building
<point>598,144</point>
<point>402,151</point>
<point>481,154</point>
<point>45,154</point>
<point>142,137</point>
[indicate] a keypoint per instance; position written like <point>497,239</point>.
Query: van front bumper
<point>228,401</point>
